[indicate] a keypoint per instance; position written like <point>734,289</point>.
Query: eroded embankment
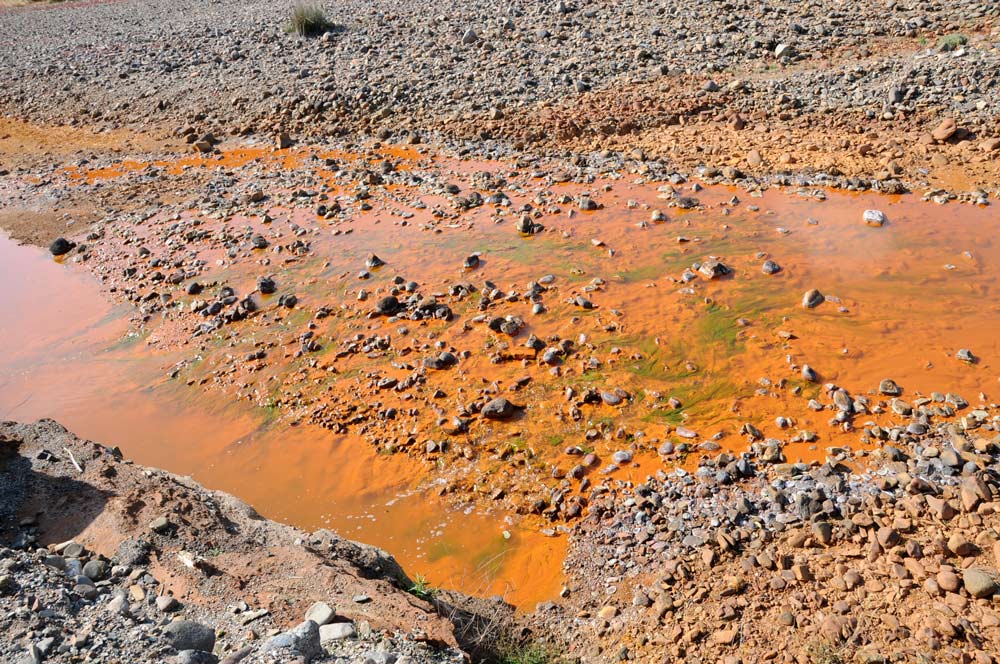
<point>151,563</point>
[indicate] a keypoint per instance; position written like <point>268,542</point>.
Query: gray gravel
<point>231,63</point>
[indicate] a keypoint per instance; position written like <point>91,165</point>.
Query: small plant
<point>952,42</point>
<point>423,589</point>
<point>309,21</point>
<point>825,653</point>
<point>531,653</point>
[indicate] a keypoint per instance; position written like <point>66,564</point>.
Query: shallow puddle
<point>706,355</point>
<point>68,356</point>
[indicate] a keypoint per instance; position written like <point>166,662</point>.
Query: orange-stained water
<point>902,300</point>
<point>67,356</point>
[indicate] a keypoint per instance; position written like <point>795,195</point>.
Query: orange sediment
<point>901,301</point>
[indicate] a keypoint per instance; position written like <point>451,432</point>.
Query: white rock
<point>875,218</point>
<point>320,613</point>
<point>336,632</point>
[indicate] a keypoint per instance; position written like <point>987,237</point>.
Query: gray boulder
<point>303,641</point>
<point>190,635</point>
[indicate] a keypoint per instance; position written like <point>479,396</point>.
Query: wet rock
<point>499,409</point>
<point>471,261</point>
<point>266,285</point>
<point>611,398</point>
<point>374,262</point>
<point>388,306</point>
<point>60,246</point>
<point>714,268</point>
<point>527,226</point>
<point>622,457</point>
<point>842,400</point>
<point>770,267</point>
<point>965,355</point>
<point>812,299</point>
<point>552,356</point>
<point>809,374</point>
<point>190,635</point>
<point>889,388</point>
<point>875,218</point>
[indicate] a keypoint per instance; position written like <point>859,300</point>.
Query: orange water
<point>69,357</point>
<point>908,296</point>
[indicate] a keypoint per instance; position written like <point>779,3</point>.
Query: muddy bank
<point>148,547</point>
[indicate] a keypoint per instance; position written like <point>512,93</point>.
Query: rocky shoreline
<point>862,558</point>
<point>889,558</point>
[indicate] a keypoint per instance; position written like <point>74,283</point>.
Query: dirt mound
<point>209,552</point>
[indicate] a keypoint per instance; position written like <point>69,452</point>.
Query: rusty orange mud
<point>303,437</point>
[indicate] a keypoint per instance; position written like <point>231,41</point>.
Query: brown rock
<point>960,546</point>
<point>887,537</point>
<point>941,508</point>
<point>607,612</point>
<point>945,130</point>
<point>948,581</point>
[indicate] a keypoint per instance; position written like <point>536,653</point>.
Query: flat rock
<point>336,632</point>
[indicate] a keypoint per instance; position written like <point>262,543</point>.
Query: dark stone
<point>190,635</point>
<point>61,246</point>
<point>499,409</point>
<point>266,285</point>
<point>388,306</point>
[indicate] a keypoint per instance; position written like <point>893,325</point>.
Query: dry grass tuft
<point>309,21</point>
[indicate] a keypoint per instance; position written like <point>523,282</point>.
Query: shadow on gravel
<point>58,507</point>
